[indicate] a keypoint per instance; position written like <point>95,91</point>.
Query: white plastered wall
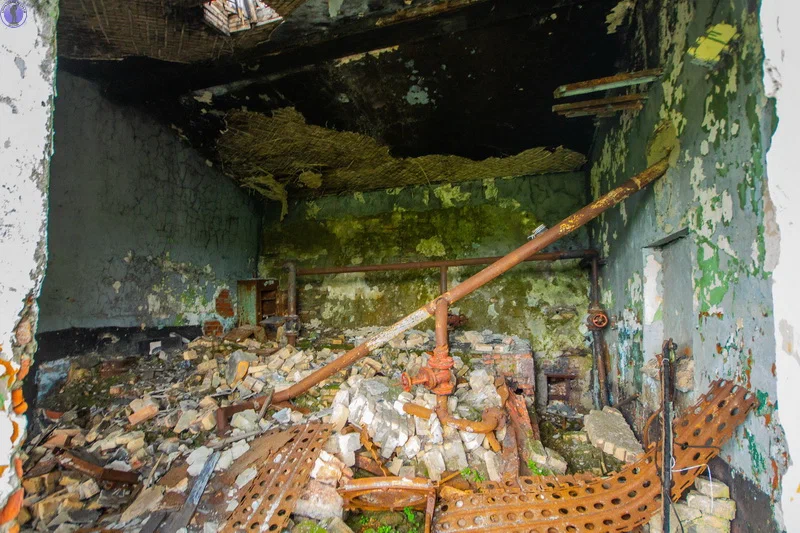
<point>782,81</point>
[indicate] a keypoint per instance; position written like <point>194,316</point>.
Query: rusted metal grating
<point>268,503</point>
<point>616,503</point>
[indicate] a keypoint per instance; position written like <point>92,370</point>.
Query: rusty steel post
<point>597,321</point>
<point>565,227</point>
<point>442,279</point>
<point>438,374</point>
<point>292,323</point>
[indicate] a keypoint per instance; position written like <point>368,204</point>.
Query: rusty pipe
<point>565,227</point>
<point>440,327</point>
<point>417,265</point>
<point>602,397</point>
<point>291,303</point>
<point>489,422</point>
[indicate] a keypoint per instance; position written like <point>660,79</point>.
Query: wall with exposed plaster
<point>142,231</point>
<point>544,303</point>
<point>782,81</point>
<point>710,113</point>
<point>27,62</point>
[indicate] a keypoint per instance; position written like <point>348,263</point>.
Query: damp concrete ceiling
<point>469,78</point>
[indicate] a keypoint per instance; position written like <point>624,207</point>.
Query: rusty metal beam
<point>616,81</point>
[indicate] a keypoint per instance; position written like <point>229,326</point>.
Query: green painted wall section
<point>545,303</point>
<point>712,111</point>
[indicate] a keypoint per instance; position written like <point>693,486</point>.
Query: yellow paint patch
<point>708,48</point>
<point>372,53</point>
<point>663,142</point>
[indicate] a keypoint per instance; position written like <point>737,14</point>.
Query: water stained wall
<point>142,232</point>
<point>710,109</point>
<point>543,302</point>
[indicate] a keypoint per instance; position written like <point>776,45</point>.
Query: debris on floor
<point>140,450</point>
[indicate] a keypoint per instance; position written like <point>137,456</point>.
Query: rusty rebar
<point>565,227</point>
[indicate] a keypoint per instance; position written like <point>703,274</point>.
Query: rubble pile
<point>138,447</point>
<point>707,509</point>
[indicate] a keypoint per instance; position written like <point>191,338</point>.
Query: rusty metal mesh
<point>268,503</point>
<point>270,154</point>
<point>616,503</point>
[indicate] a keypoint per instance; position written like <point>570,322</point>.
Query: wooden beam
<point>616,81</point>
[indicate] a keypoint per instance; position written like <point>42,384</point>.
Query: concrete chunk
<point>608,430</point>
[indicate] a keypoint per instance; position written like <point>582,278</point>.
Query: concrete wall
<point>141,232</point>
<point>27,62</point>
<point>544,303</point>
<point>692,258</point>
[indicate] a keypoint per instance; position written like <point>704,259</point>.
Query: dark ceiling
<point>473,78</point>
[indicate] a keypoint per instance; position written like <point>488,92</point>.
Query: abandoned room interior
<point>399,266</point>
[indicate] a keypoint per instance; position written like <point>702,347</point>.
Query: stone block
<point>722,507</point>
<point>319,501</point>
<point>708,524</point>
<point>712,488</point>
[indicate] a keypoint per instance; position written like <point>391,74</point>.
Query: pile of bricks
<point>706,509</point>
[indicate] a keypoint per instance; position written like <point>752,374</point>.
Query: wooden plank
<point>623,79</point>
<point>181,519</point>
<point>599,102</point>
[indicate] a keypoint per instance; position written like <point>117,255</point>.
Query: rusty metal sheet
<point>268,503</point>
<point>260,449</point>
<point>616,503</point>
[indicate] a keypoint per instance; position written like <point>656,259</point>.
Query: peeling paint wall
<point>711,110</point>
<point>142,231</point>
<point>545,303</point>
<point>27,61</point>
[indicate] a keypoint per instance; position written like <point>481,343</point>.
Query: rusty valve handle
<point>598,319</point>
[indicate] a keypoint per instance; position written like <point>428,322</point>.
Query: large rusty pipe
<point>417,265</point>
<point>566,226</point>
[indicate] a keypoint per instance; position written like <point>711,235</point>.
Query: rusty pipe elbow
<point>489,422</point>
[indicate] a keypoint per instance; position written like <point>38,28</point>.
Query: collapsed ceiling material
<point>160,29</point>
<point>271,154</point>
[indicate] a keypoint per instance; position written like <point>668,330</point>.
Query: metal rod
<point>565,227</point>
<point>550,256</point>
<point>666,432</point>
<point>442,279</point>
